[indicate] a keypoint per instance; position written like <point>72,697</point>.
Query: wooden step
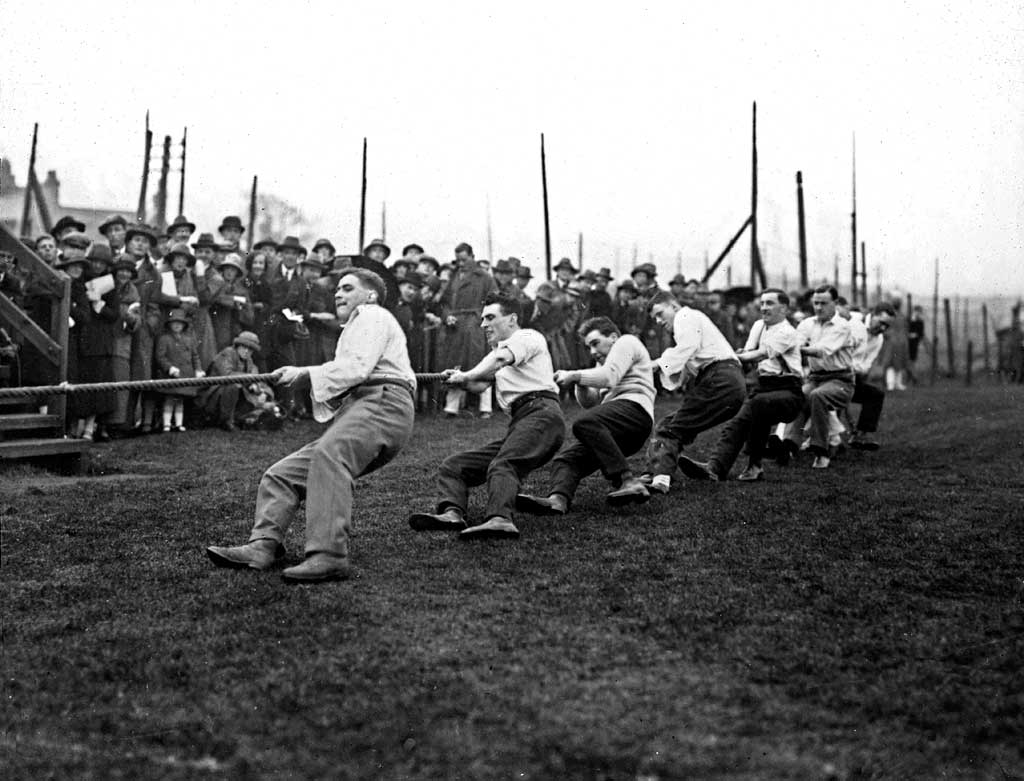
<point>31,448</point>
<point>28,421</point>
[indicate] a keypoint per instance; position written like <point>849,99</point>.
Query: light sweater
<point>625,374</point>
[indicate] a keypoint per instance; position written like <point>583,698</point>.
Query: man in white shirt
<point>619,396</point>
<point>520,367</point>
<point>703,363</point>
<point>828,342</point>
<point>775,346</point>
<point>367,393</point>
<point>868,390</point>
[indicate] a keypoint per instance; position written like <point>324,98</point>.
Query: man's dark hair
<point>371,281</point>
<point>781,294</point>
<point>509,304</point>
<point>828,289</point>
<point>884,308</point>
<point>602,325</point>
<point>664,297</point>
<point>463,247</point>
<point>841,300</point>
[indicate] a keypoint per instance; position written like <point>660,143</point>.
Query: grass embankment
<point>863,622</point>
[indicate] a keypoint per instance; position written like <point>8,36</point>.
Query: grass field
<point>867,622</point>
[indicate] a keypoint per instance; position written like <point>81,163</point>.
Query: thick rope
<point>146,385</point>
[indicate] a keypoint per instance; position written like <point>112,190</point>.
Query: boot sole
<point>226,563</point>
<point>424,522</point>
<point>316,578</point>
<point>627,499</point>
<point>693,470</point>
<point>527,504</point>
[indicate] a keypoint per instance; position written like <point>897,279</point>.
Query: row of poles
<point>758,277</point>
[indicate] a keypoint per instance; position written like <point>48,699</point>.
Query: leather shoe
<point>751,473</point>
<point>447,521</point>
<point>539,505</point>
<point>632,491</point>
<point>696,470</point>
<point>319,567</point>
<point>258,554</point>
<point>496,528</point>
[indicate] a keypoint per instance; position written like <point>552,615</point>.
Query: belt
<point>526,398</point>
<point>335,402</point>
<point>707,366</point>
<point>838,374</point>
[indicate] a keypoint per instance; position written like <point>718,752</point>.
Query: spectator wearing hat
<point>325,251</point>
<point>181,230</point>
<point>186,297</point>
<point>231,230</point>
<point>66,225</point>
<point>521,281</point>
<point>409,314</point>
<point>73,244</point>
<point>704,363</point>
<point>401,267</point>
<point>313,302</point>
<point>677,287</point>
<point>377,250</point>
<point>231,311</point>
<point>412,252</point>
<point>504,273</point>
<point>464,343</point>
<point>365,393</point>
<point>163,244</point>
<point>225,405</point>
<point>427,266</point>
<point>123,269</point>
<point>655,338</point>
<point>46,248</point>
<point>599,301</point>
<point>114,229</point>
<point>139,242</point>
<point>565,273</point>
<point>268,247</point>
<point>262,297</point>
<point>95,316</point>
<point>177,357</point>
<point>553,309</point>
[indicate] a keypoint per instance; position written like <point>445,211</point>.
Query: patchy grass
<point>862,623</point>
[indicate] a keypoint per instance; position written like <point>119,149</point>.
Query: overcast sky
<point>646,111</point>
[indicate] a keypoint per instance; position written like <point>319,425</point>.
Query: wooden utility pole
<point>984,329</point>
<point>40,201</point>
<point>935,325</point>
<point>755,260</point>
<point>384,221</point>
<point>725,252</point>
<point>949,339</point>
<point>26,210</point>
<point>252,214</point>
<point>579,251</point>
<point>853,226</point>
<point>140,212</point>
<point>181,185</point>
<point>362,204</point>
<point>490,238</point>
<point>547,222</point>
<point>161,189</point>
<point>801,228</point>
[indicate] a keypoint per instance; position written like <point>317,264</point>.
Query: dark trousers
<point>871,398</point>
<point>773,401</point>
<point>715,395</point>
<point>534,435</point>
<point>221,402</point>
<point>605,436</point>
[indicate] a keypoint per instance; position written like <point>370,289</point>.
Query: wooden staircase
<point>25,430</point>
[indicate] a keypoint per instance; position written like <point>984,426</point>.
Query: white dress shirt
<point>698,343</point>
<point>781,343</point>
<point>530,371</point>
<point>834,338</point>
<point>371,346</point>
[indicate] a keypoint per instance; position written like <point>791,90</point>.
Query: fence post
<point>970,360</point>
<point>951,366</point>
<point>984,342</point>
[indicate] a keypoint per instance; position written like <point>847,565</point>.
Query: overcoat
<point>464,343</point>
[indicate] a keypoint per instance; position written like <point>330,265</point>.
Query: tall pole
<point>26,211</point>
<point>835,271</point>
<point>579,251</point>
<point>490,241</point>
<point>181,186</point>
<point>935,324</point>
<point>949,339</point>
<point>383,220</point>
<point>252,213</point>
<point>362,204</point>
<point>802,228</point>
<point>853,225</point>
<point>984,328</point>
<point>140,212</point>
<point>547,221</point>
<point>161,189</point>
<point>754,260</point>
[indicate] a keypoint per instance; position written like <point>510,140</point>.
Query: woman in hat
<point>181,230</point>
<point>261,294</point>
<point>128,323</point>
<point>231,311</point>
<point>231,230</point>
<point>627,314</point>
<point>90,341</point>
<point>177,357</point>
